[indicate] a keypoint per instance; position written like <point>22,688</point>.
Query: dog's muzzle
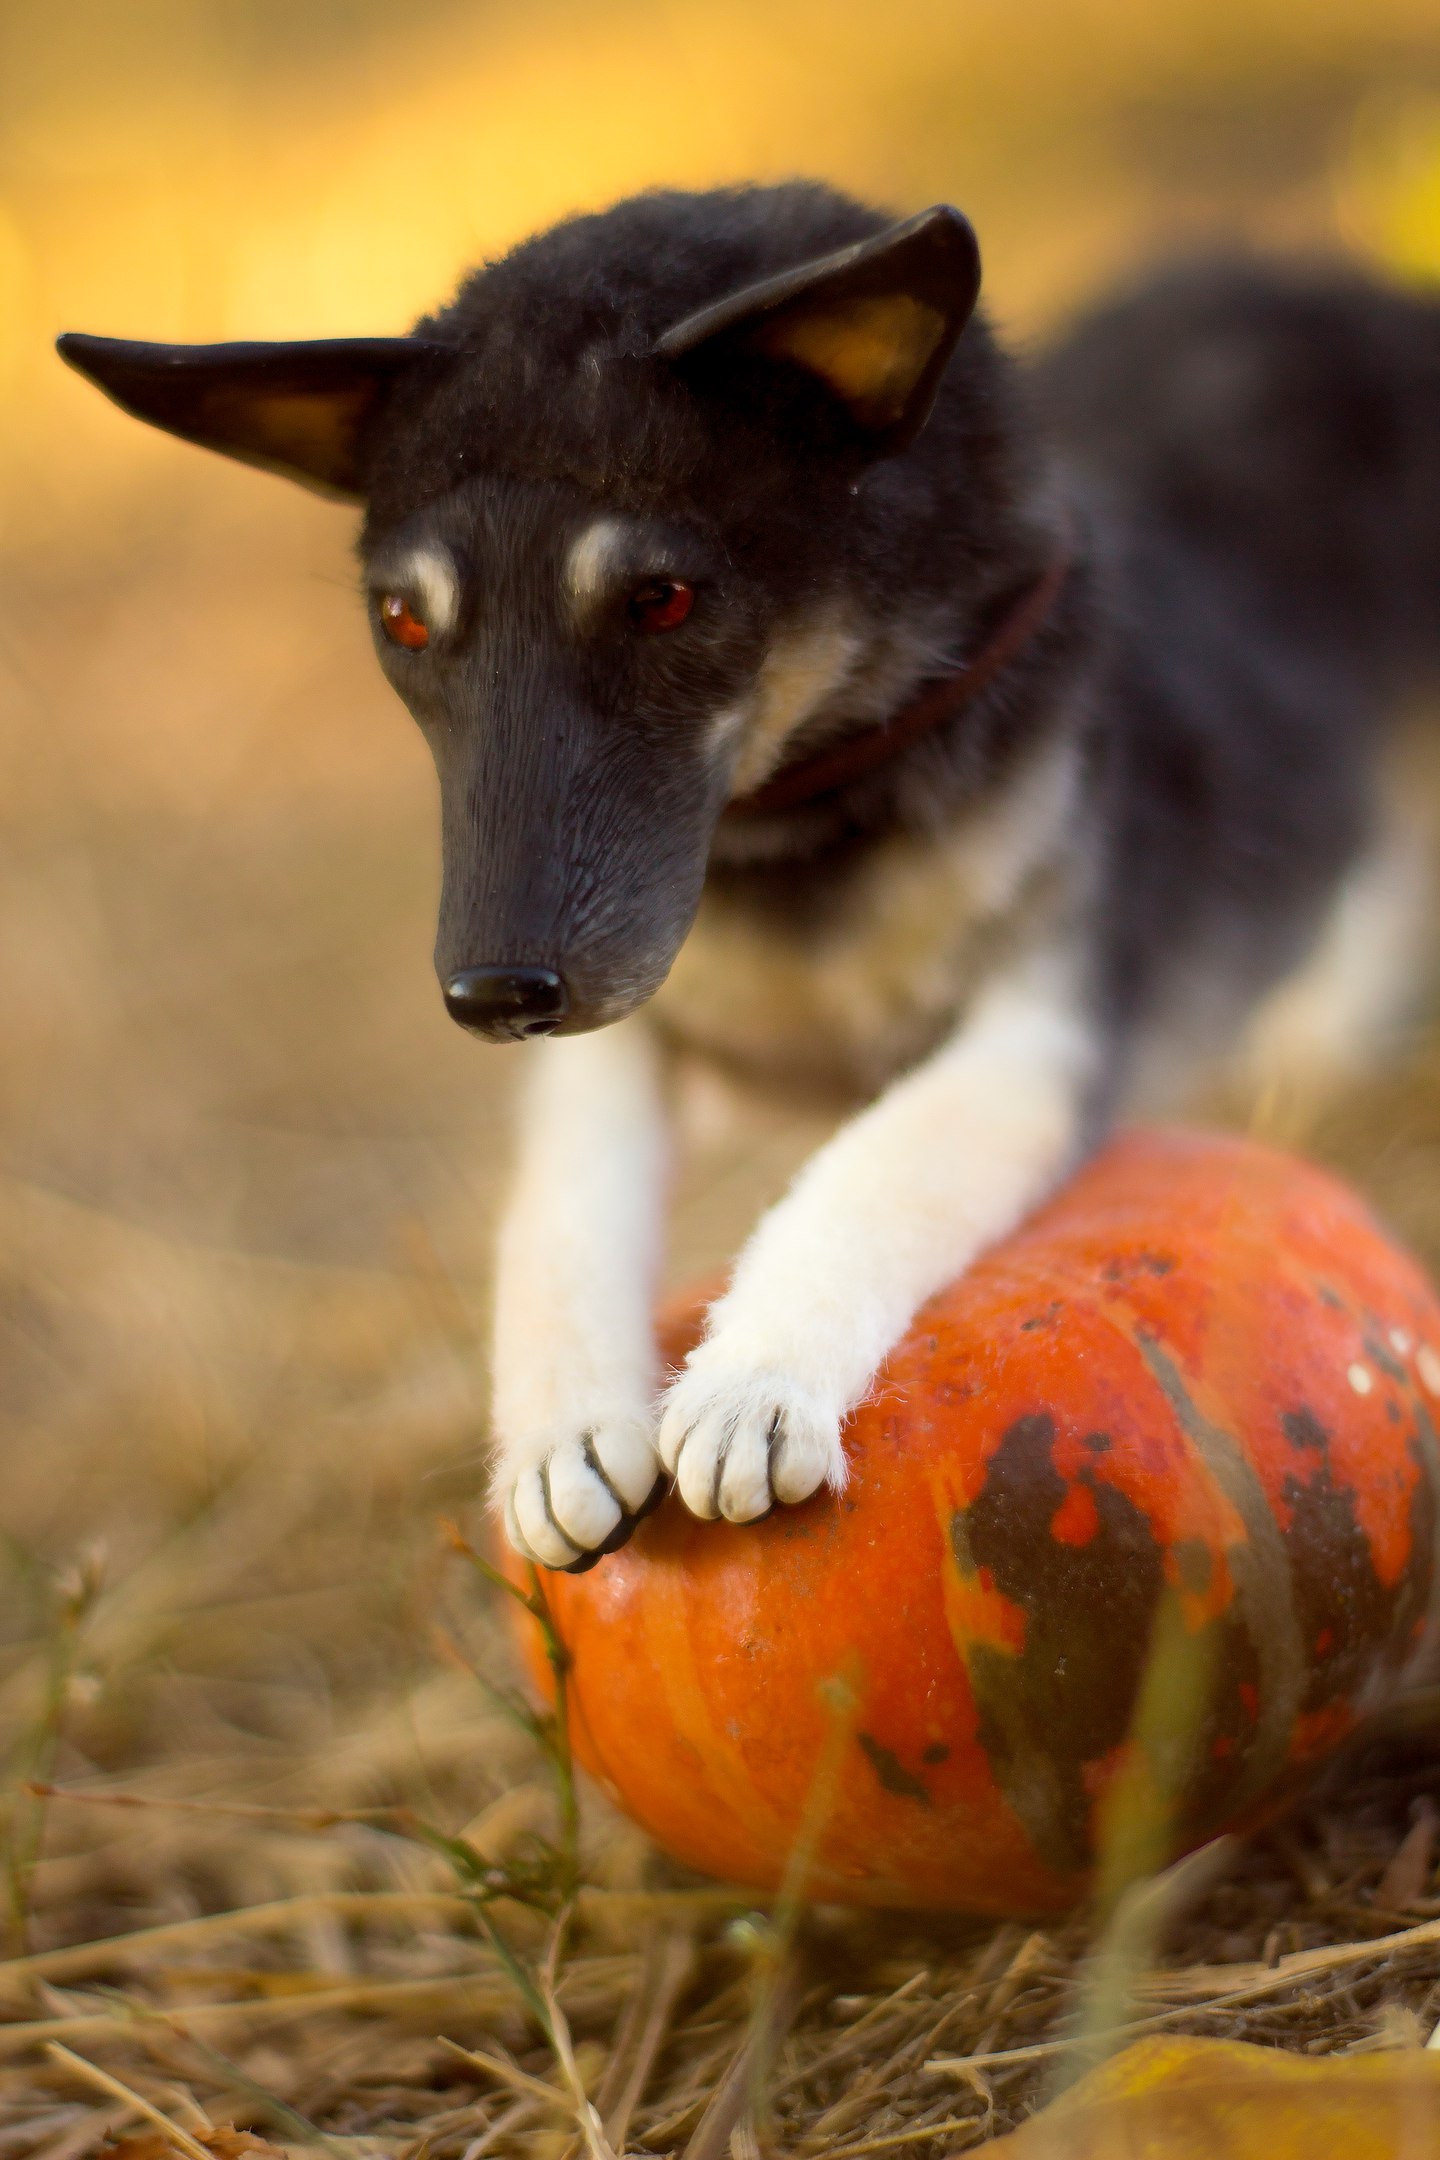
<point>506,1004</point>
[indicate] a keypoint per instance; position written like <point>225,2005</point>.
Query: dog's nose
<point>506,1003</point>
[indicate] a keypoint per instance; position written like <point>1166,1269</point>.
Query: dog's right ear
<point>873,325</point>
<point>299,409</point>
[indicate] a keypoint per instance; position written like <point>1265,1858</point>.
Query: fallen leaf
<point>225,2144</point>
<point>1178,2099</point>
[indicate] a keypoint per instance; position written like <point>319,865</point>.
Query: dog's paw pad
<point>736,1448</point>
<point>582,1497</point>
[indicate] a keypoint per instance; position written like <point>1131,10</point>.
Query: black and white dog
<point>872,713</point>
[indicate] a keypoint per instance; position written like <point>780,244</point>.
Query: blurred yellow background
<point>245,1161</point>
<point>251,169</point>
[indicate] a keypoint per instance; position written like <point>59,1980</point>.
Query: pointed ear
<point>874,323</point>
<point>297,409</point>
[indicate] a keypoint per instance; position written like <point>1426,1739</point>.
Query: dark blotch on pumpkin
<point>1067,1699</point>
<point>892,1772</point>
<point>1304,1430</point>
<point>1222,1747</point>
<point>1340,1601</point>
<point>937,1752</point>
<point>1145,1263</point>
<point>1380,1353</point>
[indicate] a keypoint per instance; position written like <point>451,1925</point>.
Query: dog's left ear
<point>300,409</point>
<point>875,323</point>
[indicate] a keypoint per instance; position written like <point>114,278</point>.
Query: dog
<point>818,690</point>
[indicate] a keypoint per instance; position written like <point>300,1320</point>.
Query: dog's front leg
<point>574,1358</point>
<point>899,1202</point>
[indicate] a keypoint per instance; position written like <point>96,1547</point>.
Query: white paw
<point>736,1440</point>
<point>570,1502</point>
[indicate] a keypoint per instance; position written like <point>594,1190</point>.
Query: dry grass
<point>248,1166</point>
<point>408,1992</point>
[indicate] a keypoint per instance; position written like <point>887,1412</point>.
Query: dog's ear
<point>874,323</point>
<point>298,409</point>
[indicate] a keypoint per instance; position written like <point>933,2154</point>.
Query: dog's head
<point>635,504</point>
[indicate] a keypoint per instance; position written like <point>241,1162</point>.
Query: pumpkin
<point>1140,1526</point>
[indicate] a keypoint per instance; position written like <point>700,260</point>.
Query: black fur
<point>1243,462</point>
<point>1262,450</point>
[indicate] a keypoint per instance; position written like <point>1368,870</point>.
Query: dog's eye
<point>661,604</point>
<point>401,624</point>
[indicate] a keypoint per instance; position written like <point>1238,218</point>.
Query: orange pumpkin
<point>1180,1422</point>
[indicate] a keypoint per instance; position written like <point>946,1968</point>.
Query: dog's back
<point>1288,426</point>
<point>1264,446</point>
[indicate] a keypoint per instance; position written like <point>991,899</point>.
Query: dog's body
<point>659,510</point>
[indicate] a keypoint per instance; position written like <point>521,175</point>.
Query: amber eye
<point>401,624</point>
<point>661,604</point>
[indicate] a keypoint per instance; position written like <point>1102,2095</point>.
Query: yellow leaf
<point>1179,2099</point>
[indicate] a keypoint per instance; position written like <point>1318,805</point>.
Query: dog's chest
<point>852,994</point>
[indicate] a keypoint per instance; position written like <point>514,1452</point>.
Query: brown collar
<point>795,786</point>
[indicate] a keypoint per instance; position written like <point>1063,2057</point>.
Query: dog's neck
<point>825,773</point>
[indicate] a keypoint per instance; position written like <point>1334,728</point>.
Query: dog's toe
<point>805,1453</point>
<point>622,1454</point>
<point>584,1506</point>
<point>745,1489</point>
<point>541,1537</point>
<point>513,1531</point>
